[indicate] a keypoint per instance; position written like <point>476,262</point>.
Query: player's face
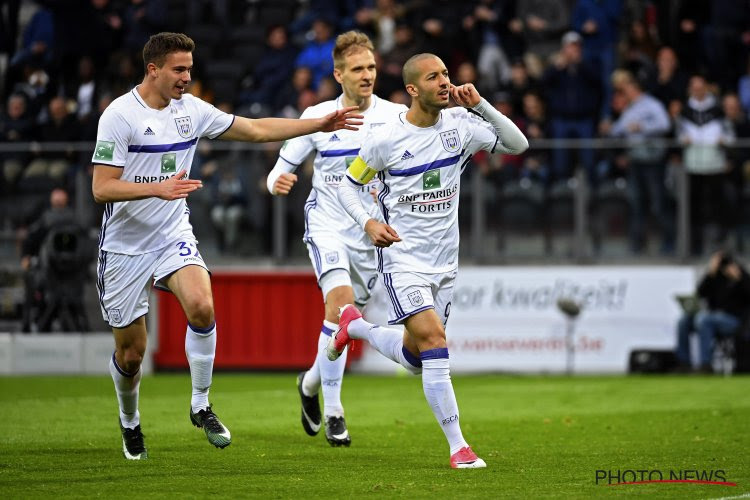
<point>357,77</point>
<point>174,76</point>
<point>433,84</point>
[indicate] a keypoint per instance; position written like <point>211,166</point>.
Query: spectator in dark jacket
<point>726,291</point>
<point>572,86</point>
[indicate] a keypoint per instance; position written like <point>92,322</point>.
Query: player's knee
<point>132,359</point>
<point>200,313</point>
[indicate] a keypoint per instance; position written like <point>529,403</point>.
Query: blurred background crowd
<point>665,82</point>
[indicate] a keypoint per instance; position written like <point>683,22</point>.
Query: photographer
<point>725,288</point>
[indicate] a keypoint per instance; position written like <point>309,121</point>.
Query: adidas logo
<point>407,155</point>
<point>149,131</point>
<point>334,138</point>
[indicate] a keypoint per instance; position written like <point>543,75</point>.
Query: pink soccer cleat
<point>466,459</point>
<point>340,337</point>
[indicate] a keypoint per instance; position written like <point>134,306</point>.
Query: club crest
<point>451,141</point>
<point>416,298</point>
<point>184,126</point>
<point>332,257</point>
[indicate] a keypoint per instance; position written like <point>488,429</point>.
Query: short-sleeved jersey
<point>151,145</point>
<point>420,169</point>
<point>334,152</point>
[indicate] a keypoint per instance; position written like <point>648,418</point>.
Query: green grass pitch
<point>542,437</point>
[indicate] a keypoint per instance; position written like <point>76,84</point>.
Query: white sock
<point>311,380</point>
<point>438,389</point>
<point>126,387</point>
<point>388,341</point>
<point>200,348</point>
<point>331,373</point>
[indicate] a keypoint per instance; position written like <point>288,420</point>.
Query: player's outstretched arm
<point>510,135</point>
<point>281,129</point>
<point>108,187</point>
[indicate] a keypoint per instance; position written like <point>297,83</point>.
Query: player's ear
<point>151,69</point>
<point>411,89</point>
<point>337,75</point>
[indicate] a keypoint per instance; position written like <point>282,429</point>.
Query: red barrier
<point>265,320</point>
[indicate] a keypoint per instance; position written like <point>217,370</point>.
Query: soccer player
<point>341,254</point>
<point>419,159</point>
<point>144,150</point>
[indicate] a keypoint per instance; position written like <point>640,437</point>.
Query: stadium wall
<point>502,319</point>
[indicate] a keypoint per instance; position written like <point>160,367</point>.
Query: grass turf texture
<point>542,437</point>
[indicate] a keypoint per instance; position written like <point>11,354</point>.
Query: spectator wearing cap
<point>572,88</point>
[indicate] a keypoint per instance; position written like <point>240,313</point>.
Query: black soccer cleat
<point>132,443</point>
<point>336,432</point>
<point>310,409</point>
<point>217,434</point>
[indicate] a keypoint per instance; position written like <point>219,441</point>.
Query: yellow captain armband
<point>360,172</point>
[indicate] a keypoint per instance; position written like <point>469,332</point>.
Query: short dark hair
<point>409,71</point>
<point>162,44</point>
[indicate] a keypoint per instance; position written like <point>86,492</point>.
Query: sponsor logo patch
<point>168,163</point>
<point>105,150</point>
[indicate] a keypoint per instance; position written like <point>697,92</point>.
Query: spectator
<point>743,87</point>
<point>38,41</point>
<point>726,290</point>
<point>439,29</point>
<point>15,126</point>
<point>738,120</point>
<point>643,118</point>
<point>572,87</point>
<point>141,19</point>
<point>670,81</point>
<point>381,22</point>
<point>230,203</point>
<point>520,84</point>
<point>53,257</point>
<point>288,96</point>
<point>535,160</point>
<point>61,127</point>
<point>703,130</point>
<point>543,22</point>
<point>598,22</point>
<point>483,25</point>
<point>389,73</point>
<point>273,70</point>
<point>726,41</point>
<point>316,55</point>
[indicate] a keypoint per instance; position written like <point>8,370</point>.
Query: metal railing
<point>484,241</point>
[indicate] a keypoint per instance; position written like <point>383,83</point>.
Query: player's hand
<point>346,118</point>
<point>381,235</point>
<point>177,187</point>
<point>284,183</point>
<point>465,95</point>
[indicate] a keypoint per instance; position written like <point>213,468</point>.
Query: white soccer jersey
<point>334,152</point>
<point>420,169</point>
<point>151,145</point>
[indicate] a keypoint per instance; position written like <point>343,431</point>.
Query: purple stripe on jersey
<point>326,330</point>
<point>161,148</point>
<point>332,153</point>
<point>439,353</point>
<point>444,162</point>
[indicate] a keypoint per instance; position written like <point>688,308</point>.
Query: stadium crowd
<point>560,69</point>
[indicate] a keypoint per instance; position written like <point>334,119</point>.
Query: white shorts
<point>124,281</point>
<point>329,252</point>
<point>410,293</point>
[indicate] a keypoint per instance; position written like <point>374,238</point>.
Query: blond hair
<point>348,43</point>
